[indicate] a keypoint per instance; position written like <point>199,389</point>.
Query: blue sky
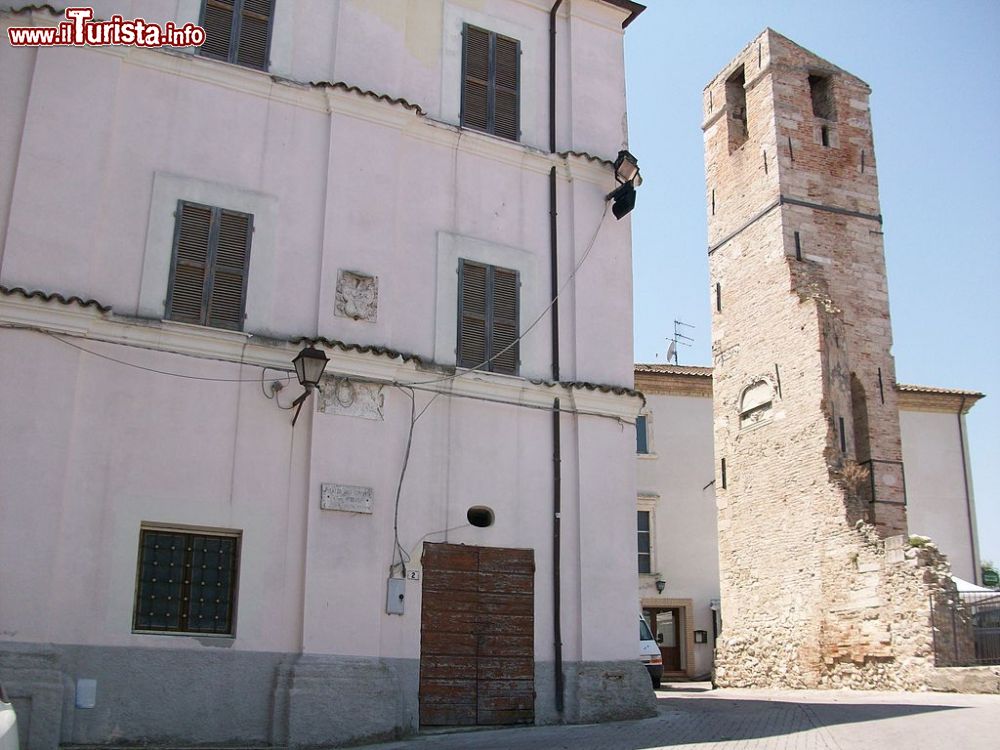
<point>934,69</point>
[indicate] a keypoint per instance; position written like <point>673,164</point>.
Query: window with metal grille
<point>238,31</point>
<point>208,273</point>
<point>490,82</point>
<point>645,549</point>
<point>488,317</point>
<point>186,582</point>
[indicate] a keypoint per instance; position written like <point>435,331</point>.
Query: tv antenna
<point>678,339</point>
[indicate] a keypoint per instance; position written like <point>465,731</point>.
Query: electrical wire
<point>536,321</point>
<point>398,550</point>
<point>276,386</point>
<point>413,386</point>
<point>143,367</point>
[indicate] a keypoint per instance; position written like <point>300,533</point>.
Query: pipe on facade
<point>977,573</point>
<point>556,421</point>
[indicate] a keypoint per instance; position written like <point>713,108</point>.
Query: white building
<point>676,501</point>
<point>178,562</point>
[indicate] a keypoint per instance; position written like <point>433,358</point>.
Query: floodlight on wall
<point>309,365</point>
<point>660,585</point>
<point>628,177</point>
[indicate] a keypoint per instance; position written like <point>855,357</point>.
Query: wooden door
<point>477,664</point>
<point>666,627</point>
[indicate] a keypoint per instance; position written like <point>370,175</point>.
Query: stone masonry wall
<point>819,587</point>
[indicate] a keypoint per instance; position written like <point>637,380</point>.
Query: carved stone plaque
<point>357,296</point>
<point>346,497</point>
<point>350,398</point>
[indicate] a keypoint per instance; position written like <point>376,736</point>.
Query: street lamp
<point>309,365</point>
<point>628,177</point>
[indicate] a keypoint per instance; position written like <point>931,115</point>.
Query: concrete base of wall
<point>965,680</point>
<point>594,692</point>
<point>219,696</point>
<point>324,701</point>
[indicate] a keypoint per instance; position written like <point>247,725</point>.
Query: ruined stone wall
<point>813,594</point>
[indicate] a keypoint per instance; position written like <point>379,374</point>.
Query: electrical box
<point>395,596</point>
<point>86,693</point>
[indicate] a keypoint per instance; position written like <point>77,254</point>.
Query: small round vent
<point>480,515</point>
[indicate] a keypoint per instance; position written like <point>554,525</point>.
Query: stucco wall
<point>936,487</point>
<point>685,547</point>
<point>167,423</point>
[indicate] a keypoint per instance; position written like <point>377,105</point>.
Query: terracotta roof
<point>704,372</point>
<point>360,348</point>
<point>941,391</point>
<point>29,8</point>
<point>399,101</point>
<point>53,297</point>
<point>583,385</point>
<point>588,157</point>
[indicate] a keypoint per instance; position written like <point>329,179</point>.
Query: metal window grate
<point>186,582</point>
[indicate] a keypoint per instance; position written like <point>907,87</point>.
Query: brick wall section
<point>819,588</point>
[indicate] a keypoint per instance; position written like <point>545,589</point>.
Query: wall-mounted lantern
<point>309,365</point>
<point>660,585</point>
<point>628,177</point>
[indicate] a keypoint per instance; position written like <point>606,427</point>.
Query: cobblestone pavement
<point>694,717</point>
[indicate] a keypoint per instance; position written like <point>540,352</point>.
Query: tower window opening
<point>824,135</point>
<point>736,109</point>
<point>821,92</point>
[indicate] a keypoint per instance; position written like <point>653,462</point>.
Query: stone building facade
<point>819,585</point>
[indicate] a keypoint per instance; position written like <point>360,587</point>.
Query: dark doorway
<point>666,626</point>
<point>477,660</point>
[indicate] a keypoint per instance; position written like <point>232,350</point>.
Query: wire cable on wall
<point>143,367</point>
<point>535,322</point>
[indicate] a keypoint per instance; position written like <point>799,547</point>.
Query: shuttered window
<point>208,274</point>
<point>238,31</point>
<point>488,318</point>
<point>490,82</point>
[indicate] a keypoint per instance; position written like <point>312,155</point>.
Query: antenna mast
<point>678,338</point>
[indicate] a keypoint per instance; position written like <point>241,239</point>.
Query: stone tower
<point>819,585</point>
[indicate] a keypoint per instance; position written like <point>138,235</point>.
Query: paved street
<point>693,716</point>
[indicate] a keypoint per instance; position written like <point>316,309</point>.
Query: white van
<point>649,652</point>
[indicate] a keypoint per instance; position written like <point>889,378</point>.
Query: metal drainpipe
<point>976,572</point>
<point>556,422</point>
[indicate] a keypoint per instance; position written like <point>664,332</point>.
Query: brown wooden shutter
<point>503,341</point>
<point>217,20</point>
<point>255,22</point>
<point>476,75</point>
<point>488,318</point>
<point>186,296</point>
<point>208,275</point>
<point>227,295</point>
<point>506,121</point>
<point>238,31</point>
<point>472,314</point>
<point>490,82</point>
